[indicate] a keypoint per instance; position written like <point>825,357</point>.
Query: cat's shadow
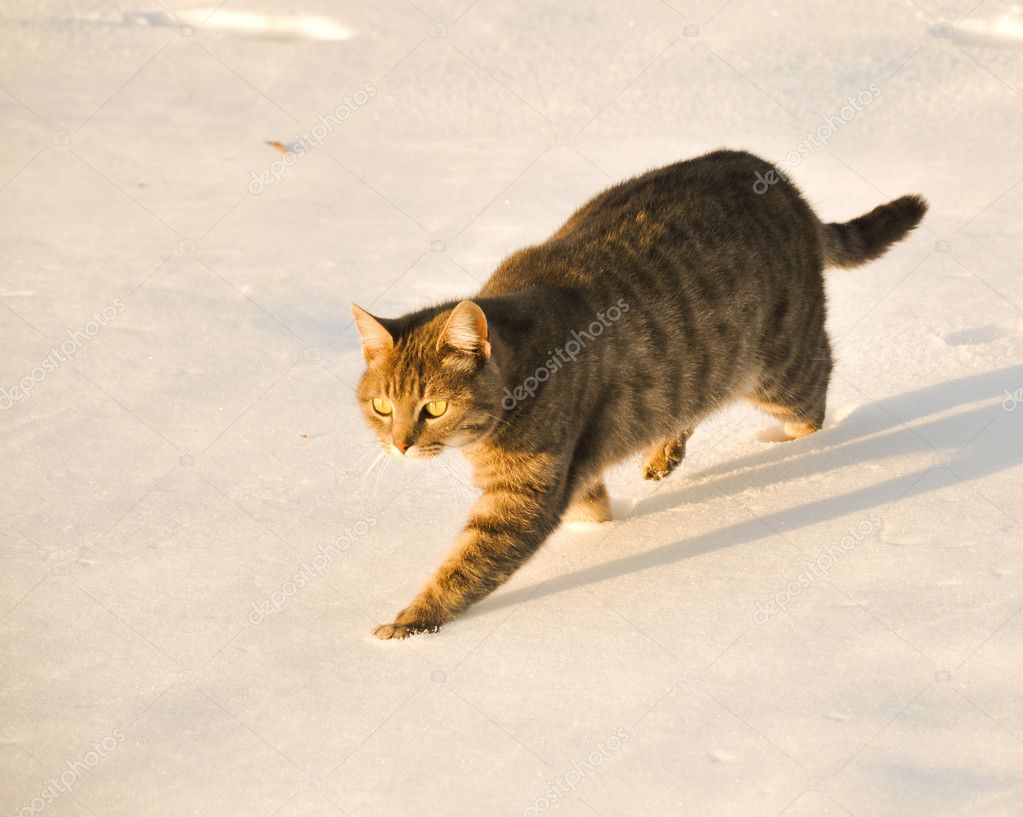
<point>962,444</point>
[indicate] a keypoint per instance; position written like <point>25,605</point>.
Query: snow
<point>197,534</point>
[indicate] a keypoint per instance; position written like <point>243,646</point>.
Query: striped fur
<point>684,289</point>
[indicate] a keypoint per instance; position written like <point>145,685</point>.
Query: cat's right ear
<point>375,338</point>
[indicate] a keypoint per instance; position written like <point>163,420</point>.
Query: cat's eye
<point>435,408</point>
<point>383,406</point>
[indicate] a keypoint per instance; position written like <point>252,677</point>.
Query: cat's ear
<point>375,337</point>
<point>466,331</point>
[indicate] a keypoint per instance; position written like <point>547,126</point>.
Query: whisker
<point>458,479</point>
<point>495,417</point>
<point>356,462</point>
<point>376,485</point>
<point>372,465</point>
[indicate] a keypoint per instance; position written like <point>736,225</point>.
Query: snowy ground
<point>825,627</point>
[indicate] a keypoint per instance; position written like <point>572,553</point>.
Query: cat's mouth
<point>416,452</point>
<point>464,437</point>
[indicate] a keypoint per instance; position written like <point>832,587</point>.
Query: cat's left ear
<point>466,330</point>
<point>375,337</point>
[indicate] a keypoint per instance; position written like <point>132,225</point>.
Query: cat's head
<point>430,381</point>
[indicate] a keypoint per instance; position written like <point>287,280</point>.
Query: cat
<point>657,302</point>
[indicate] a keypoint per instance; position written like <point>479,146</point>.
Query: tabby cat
<point>659,301</point>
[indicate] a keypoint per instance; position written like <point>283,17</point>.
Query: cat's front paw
<point>416,618</point>
<point>396,630</point>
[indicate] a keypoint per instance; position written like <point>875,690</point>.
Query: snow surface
<point>824,627</point>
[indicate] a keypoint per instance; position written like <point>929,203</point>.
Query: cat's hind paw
<point>664,459</point>
<point>656,471</point>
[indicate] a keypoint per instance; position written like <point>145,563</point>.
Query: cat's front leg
<point>508,523</point>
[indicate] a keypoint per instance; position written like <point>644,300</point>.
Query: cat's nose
<point>402,445</point>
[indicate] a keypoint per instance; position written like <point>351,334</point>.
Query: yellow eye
<point>381,405</point>
<point>436,408</point>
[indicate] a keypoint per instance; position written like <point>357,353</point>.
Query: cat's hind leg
<point>665,457</point>
<point>798,395</point>
<point>590,503</point>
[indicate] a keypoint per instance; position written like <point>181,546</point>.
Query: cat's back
<point>702,193</point>
<point>727,215</point>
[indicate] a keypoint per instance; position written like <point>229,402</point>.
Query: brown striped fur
<point>720,295</point>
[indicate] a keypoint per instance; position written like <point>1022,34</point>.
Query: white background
<point>187,460</point>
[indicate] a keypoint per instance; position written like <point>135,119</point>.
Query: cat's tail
<point>869,236</point>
